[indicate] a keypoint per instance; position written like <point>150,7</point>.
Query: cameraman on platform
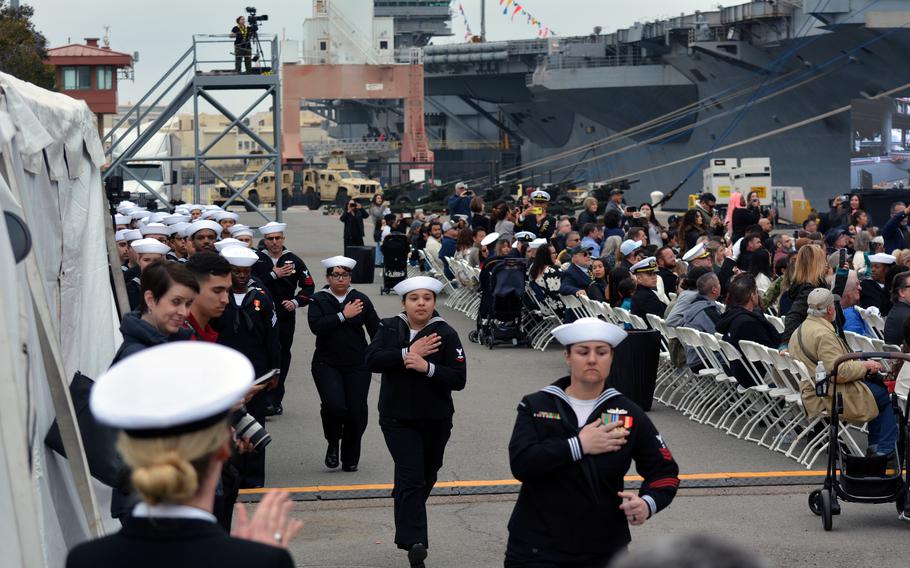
<point>352,218</point>
<point>242,46</point>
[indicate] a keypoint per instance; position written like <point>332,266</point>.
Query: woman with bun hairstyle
<point>175,447</point>
<point>422,361</point>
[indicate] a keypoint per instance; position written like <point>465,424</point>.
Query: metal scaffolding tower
<point>191,78</point>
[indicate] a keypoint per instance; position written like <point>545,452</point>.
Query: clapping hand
<point>599,438</point>
<point>270,524</point>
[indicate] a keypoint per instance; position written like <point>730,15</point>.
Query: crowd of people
<point>197,277</point>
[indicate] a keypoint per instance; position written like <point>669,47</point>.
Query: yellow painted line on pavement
<point>513,482</point>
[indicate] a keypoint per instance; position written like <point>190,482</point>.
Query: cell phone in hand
<point>843,257</point>
<point>266,377</point>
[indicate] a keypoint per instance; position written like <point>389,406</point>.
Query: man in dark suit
<point>576,278</point>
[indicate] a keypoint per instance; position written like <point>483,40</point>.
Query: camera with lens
<point>248,428</point>
<point>253,20</point>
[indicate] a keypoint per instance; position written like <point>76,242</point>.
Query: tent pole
<point>113,255</point>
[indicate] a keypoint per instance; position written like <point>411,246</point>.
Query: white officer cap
<point>696,252</point>
<point>537,243</point>
<point>405,287</point>
<point>222,215</point>
<point>176,218</point>
<point>238,227</point>
<point>155,229</point>
<point>179,229</point>
<point>882,258</point>
<point>540,195</point>
<point>238,254</point>
<point>589,329</point>
<point>138,394</point>
<point>122,219</point>
<point>203,224</point>
<point>272,227</point>
<point>490,239</point>
<point>646,265</point>
<point>130,235</point>
<point>150,246</point>
<point>525,236</point>
<point>228,242</point>
<point>344,261</point>
<point>629,246</point>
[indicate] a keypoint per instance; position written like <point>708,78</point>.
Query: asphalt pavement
<point>471,530</point>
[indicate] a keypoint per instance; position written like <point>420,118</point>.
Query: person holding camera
<point>460,203</point>
<point>534,217</point>
<point>353,217</point>
<point>243,49</point>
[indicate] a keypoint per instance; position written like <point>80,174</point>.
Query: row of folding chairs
<point>874,320</point>
<point>770,413</point>
<point>466,298</point>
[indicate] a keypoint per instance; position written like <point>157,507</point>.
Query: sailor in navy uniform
<point>572,444</point>
<point>338,316</point>
<point>290,286</point>
<point>541,224</point>
<point>175,446</point>
<point>147,251</point>
<point>123,248</point>
<point>646,301</point>
<point>249,325</point>
<point>422,361</point>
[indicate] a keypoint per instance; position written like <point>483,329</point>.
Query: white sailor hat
<point>882,258</point>
<point>228,242</point>
<point>155,229</point>
<point>123,205</point>
<point>696,252</point>
<point>213,208</point>
<point>238,254</point>
<point>181,210</point>
<point>122,219</point>
<point>405,287</point>
<point>222,215</point>
<point>194,207</point>
<point>157,217</point>
<point>137,214</point>
<point>525,236</point>
<point>138,393</point>
<point>540,195</point>
<point>629,246</point>
<point>130,235</point>
<point>208,214</point>
<point>120,235</point>
<point>245,232</point>
<point>490,239</point>
<point>344,261</point>
<point>238,227</point>
<point>537,243</point>
<point>178,228</point>
<point>176,218</point>
<point>149,246</point>
<point>646,265</point>
<point>202,224</point>
<point>272,227</point>
<point>589,329</point>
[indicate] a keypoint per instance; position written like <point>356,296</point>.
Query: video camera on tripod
<point>253,25</point>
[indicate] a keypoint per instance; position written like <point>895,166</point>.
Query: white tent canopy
<point>50,156</point>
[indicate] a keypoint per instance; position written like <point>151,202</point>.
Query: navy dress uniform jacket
<point>568,508</point>
<point>340,342</point>
<point>407,394</point>
<point>298,287</point>
<point>175,543</point>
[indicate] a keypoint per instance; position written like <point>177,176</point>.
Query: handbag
<point>859,404</point>
<point>99,441</point>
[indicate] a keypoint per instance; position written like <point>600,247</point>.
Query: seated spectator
<point>576,279</point>
<point>849,298</point>
<point>598,288</point>
<point>743,320</point>
<point>646,301</point>
<point>900,309</point>
<point>572,240</point>
<point>814,341</point>
<point>590,235</point>
<point>701,314</point>
<point>609,250</point>
<point>760,269</point>
<point>546,279</point>
<point>614,277</point>
<point>626,290</point>
<point>613,224</point>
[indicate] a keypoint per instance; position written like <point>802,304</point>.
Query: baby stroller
<point>499,318</point>
<point>395,249</point>
<point>860,479</point>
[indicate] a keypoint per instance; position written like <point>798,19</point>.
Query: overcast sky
<point>161,31</point>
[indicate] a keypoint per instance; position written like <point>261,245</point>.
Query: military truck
<point>337,183</point>
<point>261,191</point>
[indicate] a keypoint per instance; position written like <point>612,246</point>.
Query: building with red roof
<point>89,72</point>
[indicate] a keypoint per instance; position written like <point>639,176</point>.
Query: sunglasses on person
<point>274,238</point>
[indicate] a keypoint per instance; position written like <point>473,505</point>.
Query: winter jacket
<point>739,324</point>
<point>894,323</point>
<point>139,334</point>
<point>895,233</point>
<point>799,296</point>
<point>701,314</point>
